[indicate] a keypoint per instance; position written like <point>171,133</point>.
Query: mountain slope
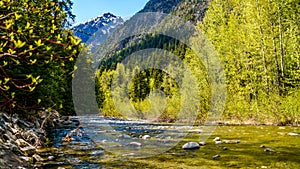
<point>102,25</point>
<point>165,6</point>
<point>192,11</point>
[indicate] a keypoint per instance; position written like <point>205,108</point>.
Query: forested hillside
<point>258,43</point>
<point>145,82</point>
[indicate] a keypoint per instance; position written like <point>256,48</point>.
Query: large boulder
<point>191,145</point>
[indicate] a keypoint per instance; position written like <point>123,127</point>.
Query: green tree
<point>257,42</point>
<point>37,55</point>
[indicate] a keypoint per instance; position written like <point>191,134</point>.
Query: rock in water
<point>293,134</point>
<point>191,145</point>
<point>146,137</point>
<point>269,150</point>
<point>225,148</point>
<point>231,141</point>
<point>215,157</point>
<point>202,143</point>
<point>51,158</point>
<point>218,142</point>
<point>124,136</point>
<point>217,139</point>
<point>135,144</point>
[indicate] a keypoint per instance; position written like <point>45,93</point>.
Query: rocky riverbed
<point>21,137</point>
<point>99,142</point>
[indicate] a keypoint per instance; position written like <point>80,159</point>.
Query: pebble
<point>29,150</point>
<point>37,158</point>
<point>130,154</point>
<point>51,157</point>
<point>218,142</point>
<point>217,139</point>
<point>22,143</point>
<point>215,157</point>
<point>225,148</point>
<point>196,131</point>
<point>135,144</point>
<point>125,136</point>
<point>25,158</point>
<point>269,150</point>
<point>202,143</point>
<point>231,141</point>
<point>146,137</point>
<point>293,134</point>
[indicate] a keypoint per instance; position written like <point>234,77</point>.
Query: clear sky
<point>88,9</point>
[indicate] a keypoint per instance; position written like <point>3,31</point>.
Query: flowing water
<point>111,143</point>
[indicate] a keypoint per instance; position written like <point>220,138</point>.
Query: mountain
<point>102,25</point>
<point>189,10</point>
<point>165,6</point>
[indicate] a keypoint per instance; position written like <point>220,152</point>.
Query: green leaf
<point>33,61</point>
<point>38,43</point>
<point>31,89</point>
<point>27,25</point>
<point>6,88</point>
<point>17,16</point>
<point>10,51</point>
<point>13,95</point>
<point>6,80</point>
<point>29,76</point>
<point>19,44</point>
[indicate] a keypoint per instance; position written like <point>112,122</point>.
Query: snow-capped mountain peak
<point>104,24</point>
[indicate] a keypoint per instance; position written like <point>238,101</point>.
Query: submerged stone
<point>269,150</point>
<point>231,141</point>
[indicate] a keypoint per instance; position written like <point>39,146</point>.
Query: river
<point>113,143</point>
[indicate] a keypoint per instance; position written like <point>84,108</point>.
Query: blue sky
<point>87,9</point>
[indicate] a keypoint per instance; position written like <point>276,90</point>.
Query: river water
<point>113,143</point>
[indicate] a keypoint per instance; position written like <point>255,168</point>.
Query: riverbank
<point>20,137</point>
